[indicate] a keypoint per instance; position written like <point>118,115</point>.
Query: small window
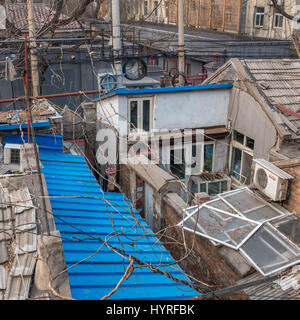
<point>250,143</point>
<point>278,20</point>
<point>133,115</point>
<point>177,165</point>
<point>15,156</point>
<point>208,157</point>
<point>238,137</point>
<point>259,16</point>
<point>146,8</point>
<point>140,115</point>
<point>146,115</point>
<point>236,162</point>
<point>155,8</point>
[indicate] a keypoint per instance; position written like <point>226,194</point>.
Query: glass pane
<point>177,163</point>
<point>203,187</point>
<point>236,163</point>
<point>250,143</point>
<point>250,206</point>
<point>247,163</point>
<point>194,187</point>
<point>224,186</point>
<point>208,157</point>
<point>262,214</point>
<point>221,227</point>
<point>133,115</point>
<point>238,137</point>
<point>146,115</point>
<point>291,228</point>
<point>270,251</point>
<point>214,188</point>
<point>260,9</point>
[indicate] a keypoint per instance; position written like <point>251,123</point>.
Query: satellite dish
<point>135,69</point>
<point>2,18</point>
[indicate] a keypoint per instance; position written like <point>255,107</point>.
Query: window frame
<point>155,8</point>
<point>277,14</point>
<point>140,111</point>
<point>244,149</point>
<point>146,7</point>
<point>261,16</point>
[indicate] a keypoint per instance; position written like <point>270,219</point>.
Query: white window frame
<point>260,14</point>
<point>214,154</point>
<point>277,14</point>
<point>146,7</point>
<point>139,128</point>
<point>243,147</point>
<point>156,11</point>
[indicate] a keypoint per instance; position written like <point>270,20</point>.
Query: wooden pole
<point>181,42</point>
<point>33,51</point>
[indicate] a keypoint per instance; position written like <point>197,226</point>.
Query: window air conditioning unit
<point>12,153</point>
<point>271,180</point>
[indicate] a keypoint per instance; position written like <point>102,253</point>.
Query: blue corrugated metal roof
<point>16,126</point>
<point>85,214</point>
<point>166,89</point>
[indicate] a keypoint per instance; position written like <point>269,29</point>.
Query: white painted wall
<point>249,119</point>
<point>191,109</point>
<point>172,110</point>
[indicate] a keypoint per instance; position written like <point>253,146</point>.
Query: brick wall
<point>292,167</point>
<point>293,203</point>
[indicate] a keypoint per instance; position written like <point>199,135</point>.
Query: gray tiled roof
<point>279,82</point>
<point>270,290</point>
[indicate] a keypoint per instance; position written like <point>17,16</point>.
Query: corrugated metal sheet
<point>84,213</point>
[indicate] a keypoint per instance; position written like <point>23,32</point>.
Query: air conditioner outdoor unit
<point>12,153</point>
<point>271,180</point>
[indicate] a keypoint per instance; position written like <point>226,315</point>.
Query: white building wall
<point>194,109</point>
<point>248,118</point>
<point>268,30</point>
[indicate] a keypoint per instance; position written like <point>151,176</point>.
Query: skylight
<point>241,220</point>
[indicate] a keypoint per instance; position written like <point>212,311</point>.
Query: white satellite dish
<point>2,18</point>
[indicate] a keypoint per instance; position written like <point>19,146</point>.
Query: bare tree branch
<point>280,9</point>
